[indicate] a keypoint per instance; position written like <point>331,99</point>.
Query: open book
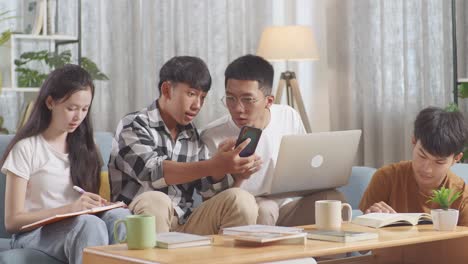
<point>378,220</point>
<point>180,240</point>
<point>59,217</point>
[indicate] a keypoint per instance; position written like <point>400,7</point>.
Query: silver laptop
<point>316,161</point>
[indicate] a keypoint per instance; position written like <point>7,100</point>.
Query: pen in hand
<point>78,189</point>
<point>81,191</point>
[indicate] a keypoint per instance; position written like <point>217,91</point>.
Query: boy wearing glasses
<point>248,83</point>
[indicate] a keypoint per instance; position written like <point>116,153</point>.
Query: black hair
<point>186,69</point>
<point>61,83</point>
<point>251,68</point>
<point>441,133</point>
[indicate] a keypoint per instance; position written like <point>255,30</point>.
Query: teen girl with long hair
<point>51,153</point>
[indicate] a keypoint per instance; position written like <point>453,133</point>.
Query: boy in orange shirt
<point>404,187</point>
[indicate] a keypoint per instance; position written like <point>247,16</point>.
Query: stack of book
<point>181,240</point>
<point>263,234</point>
<point>262,228</point>
<point>341,236</point>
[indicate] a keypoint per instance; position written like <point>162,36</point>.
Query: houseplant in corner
<point>445,218</point>
<point>31,77</point>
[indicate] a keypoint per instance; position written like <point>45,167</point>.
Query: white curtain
<point>462,46</point>
<point>389,60</point>
<point>380,63</point>
<point>130,40</point>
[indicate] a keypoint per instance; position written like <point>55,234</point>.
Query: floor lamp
<point>289,43</point>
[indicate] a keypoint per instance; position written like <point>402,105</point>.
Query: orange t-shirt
<point>395,185</point>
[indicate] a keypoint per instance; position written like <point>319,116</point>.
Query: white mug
<point>328,214</point>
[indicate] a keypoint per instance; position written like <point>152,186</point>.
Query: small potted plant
<point>445,218</point>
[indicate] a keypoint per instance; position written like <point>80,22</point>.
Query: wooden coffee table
<point>403,244</point>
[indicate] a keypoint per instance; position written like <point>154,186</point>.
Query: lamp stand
<point>293,94</point>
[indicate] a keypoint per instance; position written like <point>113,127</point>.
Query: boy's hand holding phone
<point>240,178</point>
<point>227,160</point>
<point>237,157</point>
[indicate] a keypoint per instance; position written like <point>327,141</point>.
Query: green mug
<point>141,231</point>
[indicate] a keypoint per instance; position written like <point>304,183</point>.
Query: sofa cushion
<point>26,256</point>
<point>358,181</point>
<point>5,244</point>
<point>4,141</point>
<point>104,142</point>
<point>104,189</point>
<point>461,169</point>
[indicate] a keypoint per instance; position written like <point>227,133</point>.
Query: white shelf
<point>20,89</point>
<point>45,37</point>
<point>463,80</point>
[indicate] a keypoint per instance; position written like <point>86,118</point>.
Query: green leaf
<point>34,55</point>
<point>465,155</point>
<point>452,107</point>
<point>3,16</point>
<point>55,60</point>
<point>93,69</point>
<point>444,197</point>
<point>2,129</point>
<point>30,78</point>
<point>463,90</point>
<point>4,37</point>
<point>454,197</point>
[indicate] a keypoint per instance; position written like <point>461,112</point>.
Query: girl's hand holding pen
<point>87,200</point>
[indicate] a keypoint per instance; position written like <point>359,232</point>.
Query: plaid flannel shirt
<point>141,143</point>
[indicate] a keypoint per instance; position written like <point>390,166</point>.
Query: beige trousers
<point>297,212</point>
<point>232,207</point>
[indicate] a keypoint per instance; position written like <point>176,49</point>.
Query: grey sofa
<point>353,191</point>
<point>7,255</point>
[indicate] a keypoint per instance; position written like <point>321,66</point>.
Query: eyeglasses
<point>230,101</point>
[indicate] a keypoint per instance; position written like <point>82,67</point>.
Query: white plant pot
<point>444,220</point>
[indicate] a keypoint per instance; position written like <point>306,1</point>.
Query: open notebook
<point>59,217</point>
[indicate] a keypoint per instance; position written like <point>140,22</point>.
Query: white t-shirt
<point>46,170</point>
<point>284,121</point>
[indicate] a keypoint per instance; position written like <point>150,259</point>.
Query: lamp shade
<point>288,43</point>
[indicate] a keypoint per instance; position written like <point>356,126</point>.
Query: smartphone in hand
<point>254,135</point>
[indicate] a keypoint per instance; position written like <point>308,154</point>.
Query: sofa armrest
<point>461,170</point>
<point>357,184</point>
<point>104,142</point>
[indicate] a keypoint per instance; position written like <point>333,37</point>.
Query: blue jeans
<point>66,239</point>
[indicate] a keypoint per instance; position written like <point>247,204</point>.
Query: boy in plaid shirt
<point>158,160</point>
